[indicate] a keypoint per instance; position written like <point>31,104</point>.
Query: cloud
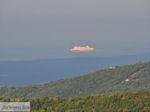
<point>82,49</point>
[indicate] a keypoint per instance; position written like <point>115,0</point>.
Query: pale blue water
<point>19,73</point>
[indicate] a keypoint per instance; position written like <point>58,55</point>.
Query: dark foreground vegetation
<point>118,102</point>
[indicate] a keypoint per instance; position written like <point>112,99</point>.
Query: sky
<point>43,29</point>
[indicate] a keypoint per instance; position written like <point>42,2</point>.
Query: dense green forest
<point>118,102</point>
<point>134,77</point>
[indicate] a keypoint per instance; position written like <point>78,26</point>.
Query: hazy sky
<point>33,29</point>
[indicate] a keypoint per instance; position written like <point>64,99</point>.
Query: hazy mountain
<point>134,77</point>
<point>16,73</point>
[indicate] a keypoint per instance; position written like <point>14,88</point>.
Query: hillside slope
<point>133,77</point>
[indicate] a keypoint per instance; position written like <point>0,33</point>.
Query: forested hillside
<point>135,77</point>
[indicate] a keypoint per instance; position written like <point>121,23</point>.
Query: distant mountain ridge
<point>133,77</point>
<point>20,73</point>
